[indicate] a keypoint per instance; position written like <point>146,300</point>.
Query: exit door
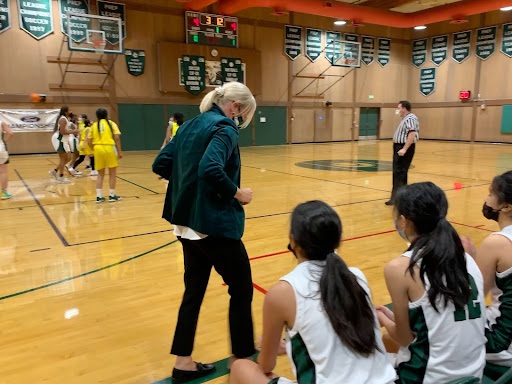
<point>368,123</point>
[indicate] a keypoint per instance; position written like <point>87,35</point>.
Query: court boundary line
<point>140,186</point>
<point>41,207</point>
<point>85,273</point>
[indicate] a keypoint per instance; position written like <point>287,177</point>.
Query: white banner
<point>34,120</point>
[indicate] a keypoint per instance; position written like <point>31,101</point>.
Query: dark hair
<point>317,228</point>
<point>502,187</point>
<point>63,111</point>
<point>87,122</point>
<point>178,118</point>
<point>405,104</point>
<point>437,249</point>
<point>83,116</point>
<point>102,114</point>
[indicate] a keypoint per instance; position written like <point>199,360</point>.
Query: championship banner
<point>486,42</point>
<point>231,69</point>
<point>5,16</point>
<point>33,120</point>
<point>110,9</point>
<point>36,17</point>
<point>332,46</point>
<point>135,61</point>
<point>313,43</point>
<point>74,6</point>
<point>419,52</point>
<point>367,49</point>
<point>427,81</point>
<point>438,49</point>
<point>292,41</point>
<point>461,48</point>
<point>194,73</point>
<point>213,73</point>
<point>384,53</point>
<point>506,39</point>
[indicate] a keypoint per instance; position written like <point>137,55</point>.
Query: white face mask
<point>397,112</point>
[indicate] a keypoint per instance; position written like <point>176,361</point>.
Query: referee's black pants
<point>401,166</point>
<point>230,260</point>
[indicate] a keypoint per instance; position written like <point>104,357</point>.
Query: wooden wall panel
<point>488,126</point>
<point>389,124</point>
<point>341,124</point>
<point>444,123</point>
<point>303,129</point>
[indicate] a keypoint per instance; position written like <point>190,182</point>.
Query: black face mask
<point>490,213</point>
<point>239,121</point>
<point>291,250</point>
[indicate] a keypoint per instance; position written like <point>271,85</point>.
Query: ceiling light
<point>506,9</point>
<point>420,27</point>
<point>340,22</point>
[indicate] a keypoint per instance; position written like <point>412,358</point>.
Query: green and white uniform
<point>61,143</point>
<point>449,344</point>
<point>316,353</point>
<point>499,315</point>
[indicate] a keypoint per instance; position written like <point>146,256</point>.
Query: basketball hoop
<point>350,61</point>
<point>99,45</point>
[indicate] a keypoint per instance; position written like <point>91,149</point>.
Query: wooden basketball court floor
<point>89,292</point>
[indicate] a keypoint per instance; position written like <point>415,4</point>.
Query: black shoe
<point>181,376</point>
<point>389,202</point>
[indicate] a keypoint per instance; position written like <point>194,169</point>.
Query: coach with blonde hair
<point>204,202</point>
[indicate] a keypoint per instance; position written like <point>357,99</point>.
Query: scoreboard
<point>207,29</point>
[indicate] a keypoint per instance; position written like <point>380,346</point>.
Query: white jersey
<point>499,315</point>
<point>316,353</point>
<point>449,344</point>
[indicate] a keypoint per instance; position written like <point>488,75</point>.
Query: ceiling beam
<point>386,4</point>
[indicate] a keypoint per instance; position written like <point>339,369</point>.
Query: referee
<point>404,143</point>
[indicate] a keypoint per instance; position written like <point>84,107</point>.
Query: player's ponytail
<point>62,112</point>
<point>102,114</point>
<point>316,229</point>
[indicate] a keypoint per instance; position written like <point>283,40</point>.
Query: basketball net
<point>99,45</point>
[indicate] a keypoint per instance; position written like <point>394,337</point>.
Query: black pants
<point>401,166</point>
<point>230,260</point>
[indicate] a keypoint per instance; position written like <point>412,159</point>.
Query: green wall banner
<point>5,16</point>
<point>506,119</point>
<point>506,39</point>
<point>461,48</point>
<point>135,61</point>
<point>486,42</point>
<point>194,72</point>
<point>313,43</point>
<point>367,49</point>
<point>292,41</point>
<point>427,81</point>
<point>110,9</point>
<point>79,33</point>
<point>36,17</point>
<point>384,54</point>
<point>419,52</point>
<point>332,49</point>
<point>231,69</point>
<point>438,49</point>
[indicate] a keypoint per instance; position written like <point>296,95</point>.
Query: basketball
<point>35,97</point>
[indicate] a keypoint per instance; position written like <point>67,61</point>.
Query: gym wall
<point>143,109</point>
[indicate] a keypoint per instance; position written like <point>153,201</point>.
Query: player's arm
<point>8,132</point>
<point>488,256</point>
<point>398,325</point>
<point>117,139</point>
<point>63,127</point>
<point>279,306</point>
<point>167,135</point>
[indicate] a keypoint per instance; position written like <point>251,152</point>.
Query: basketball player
<point>84,148</point>
<point>332,332</point>
<point>174,123</point>
<point>60,141</point>
<point>73,144</point>
<point>495,261</point>
<point>5,135</point>
<point>438,316</point>
<point>104,138</point>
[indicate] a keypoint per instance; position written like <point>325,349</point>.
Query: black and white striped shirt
<point>409,123</point>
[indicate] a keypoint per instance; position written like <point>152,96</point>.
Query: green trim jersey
<point>316,353</point>
<point>499,315</point>
<point>448,344</point>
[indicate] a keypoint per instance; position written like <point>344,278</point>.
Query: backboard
<point>93,33</point>
<point>344,53</point>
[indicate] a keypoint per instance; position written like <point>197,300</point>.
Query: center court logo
<point>360,165</point>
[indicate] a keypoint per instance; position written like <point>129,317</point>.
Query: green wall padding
<point>273,131</point>
<point>131,124</point>
<point>506,120</point>
<point>245,136</point>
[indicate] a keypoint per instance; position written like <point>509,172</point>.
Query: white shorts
<point>58,143</point>
<point>4,155</point>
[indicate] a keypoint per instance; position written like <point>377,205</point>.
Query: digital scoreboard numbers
<point>207,29</point>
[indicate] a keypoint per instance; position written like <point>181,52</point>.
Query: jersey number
<point>474,310</point>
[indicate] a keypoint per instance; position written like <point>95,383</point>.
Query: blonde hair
<point>231,91</point>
